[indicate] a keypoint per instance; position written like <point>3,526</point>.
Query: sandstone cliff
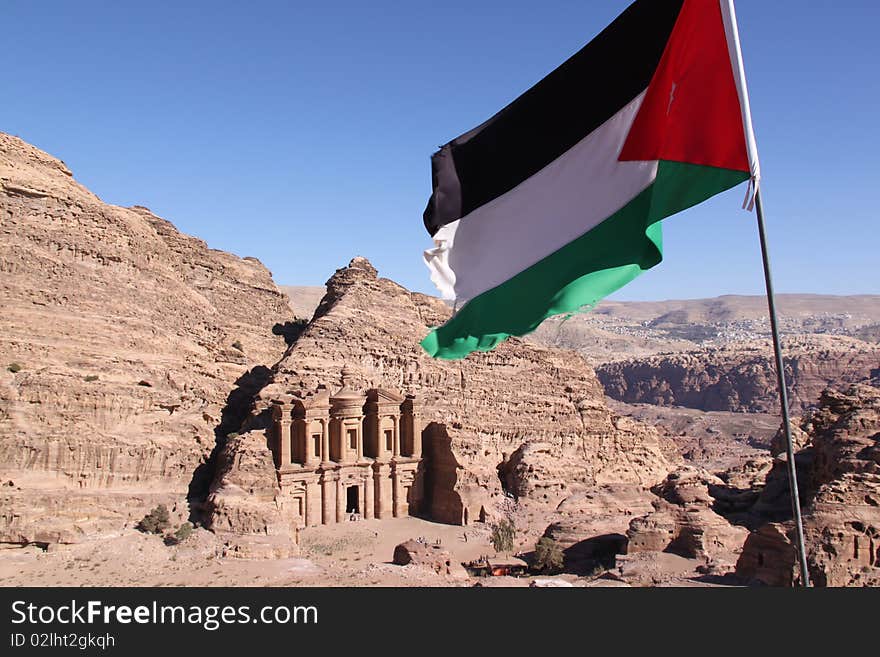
<point>741,377</point>
<point>120,340</point>
<point>521,420</point>
<point>839,481</point>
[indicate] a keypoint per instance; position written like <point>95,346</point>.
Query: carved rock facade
<point>347,454</point>
<point>521,421</point>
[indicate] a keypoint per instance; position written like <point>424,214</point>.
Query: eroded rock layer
<point>839,481</point>
<point>742,377</point>
<point>120,340</point>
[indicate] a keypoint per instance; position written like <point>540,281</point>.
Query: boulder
<point>433,557</point>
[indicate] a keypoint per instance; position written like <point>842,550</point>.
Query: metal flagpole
<point>783,396</point>
<point>729,16</point>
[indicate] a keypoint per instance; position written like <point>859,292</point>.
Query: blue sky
<point>300,133</point>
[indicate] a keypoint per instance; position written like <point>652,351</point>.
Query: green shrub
<point>548,557</point>
<point>183,532</point>
<point>156,521</point>
<point>15,368</point>
<point>91,377</point>
<point>503,535</point>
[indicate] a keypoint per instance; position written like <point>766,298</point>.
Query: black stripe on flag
<point>551,117</point>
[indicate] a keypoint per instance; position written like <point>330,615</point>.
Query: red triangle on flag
<point>691,111</point>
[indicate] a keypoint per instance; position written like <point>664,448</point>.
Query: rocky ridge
<point>120,341</point>
<point>738,523</point>
<point>617,330</point>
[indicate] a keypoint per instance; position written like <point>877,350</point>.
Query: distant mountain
<point>303,298</point>
<point>617,330</point>
<point>860,308</point>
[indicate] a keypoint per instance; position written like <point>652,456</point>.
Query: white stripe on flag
<point>571,195</point>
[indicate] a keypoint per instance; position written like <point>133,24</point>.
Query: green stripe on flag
<point>584,271</point>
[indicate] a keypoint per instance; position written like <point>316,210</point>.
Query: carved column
<point>381,444</point>
<point>340,501</point>
<point>381,482</point>
<point>308,501</point>
<point>307,445</point>
<point>281,418</point>
<point>328,499</point>
<point>415,423</point>
<point>342,438</point>
<point>360,441</point>
<point>369,496</point>
<point>410,427</point>
<point>313,504</point>
<point>395,492</point>
<point>325,441</point>
<point>396,419</point>
<point>417,436</point>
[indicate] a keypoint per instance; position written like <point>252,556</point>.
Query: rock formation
<point>120,341</point>
<point>839,481</point>
<point>741,377</point>
<point>245,506</point>
<point>591,527</point>
<point>684,522</point>
<point>523,418</point>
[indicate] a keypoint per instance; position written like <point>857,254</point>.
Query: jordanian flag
<point>557,201</point>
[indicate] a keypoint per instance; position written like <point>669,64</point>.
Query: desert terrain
<point>635,445</point>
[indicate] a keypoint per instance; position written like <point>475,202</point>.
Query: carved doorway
<point>352,499</point>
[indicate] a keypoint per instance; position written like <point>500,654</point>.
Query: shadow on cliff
<point>587,558</point>
<point>290,331</point>
<point>770,500</point>
<point>441,501</point>
<point>237,409</point>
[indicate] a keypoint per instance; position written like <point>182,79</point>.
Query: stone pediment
<point>384,396</point>
<point>318,401</point>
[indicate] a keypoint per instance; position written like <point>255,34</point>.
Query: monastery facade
<point>349,454</point>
